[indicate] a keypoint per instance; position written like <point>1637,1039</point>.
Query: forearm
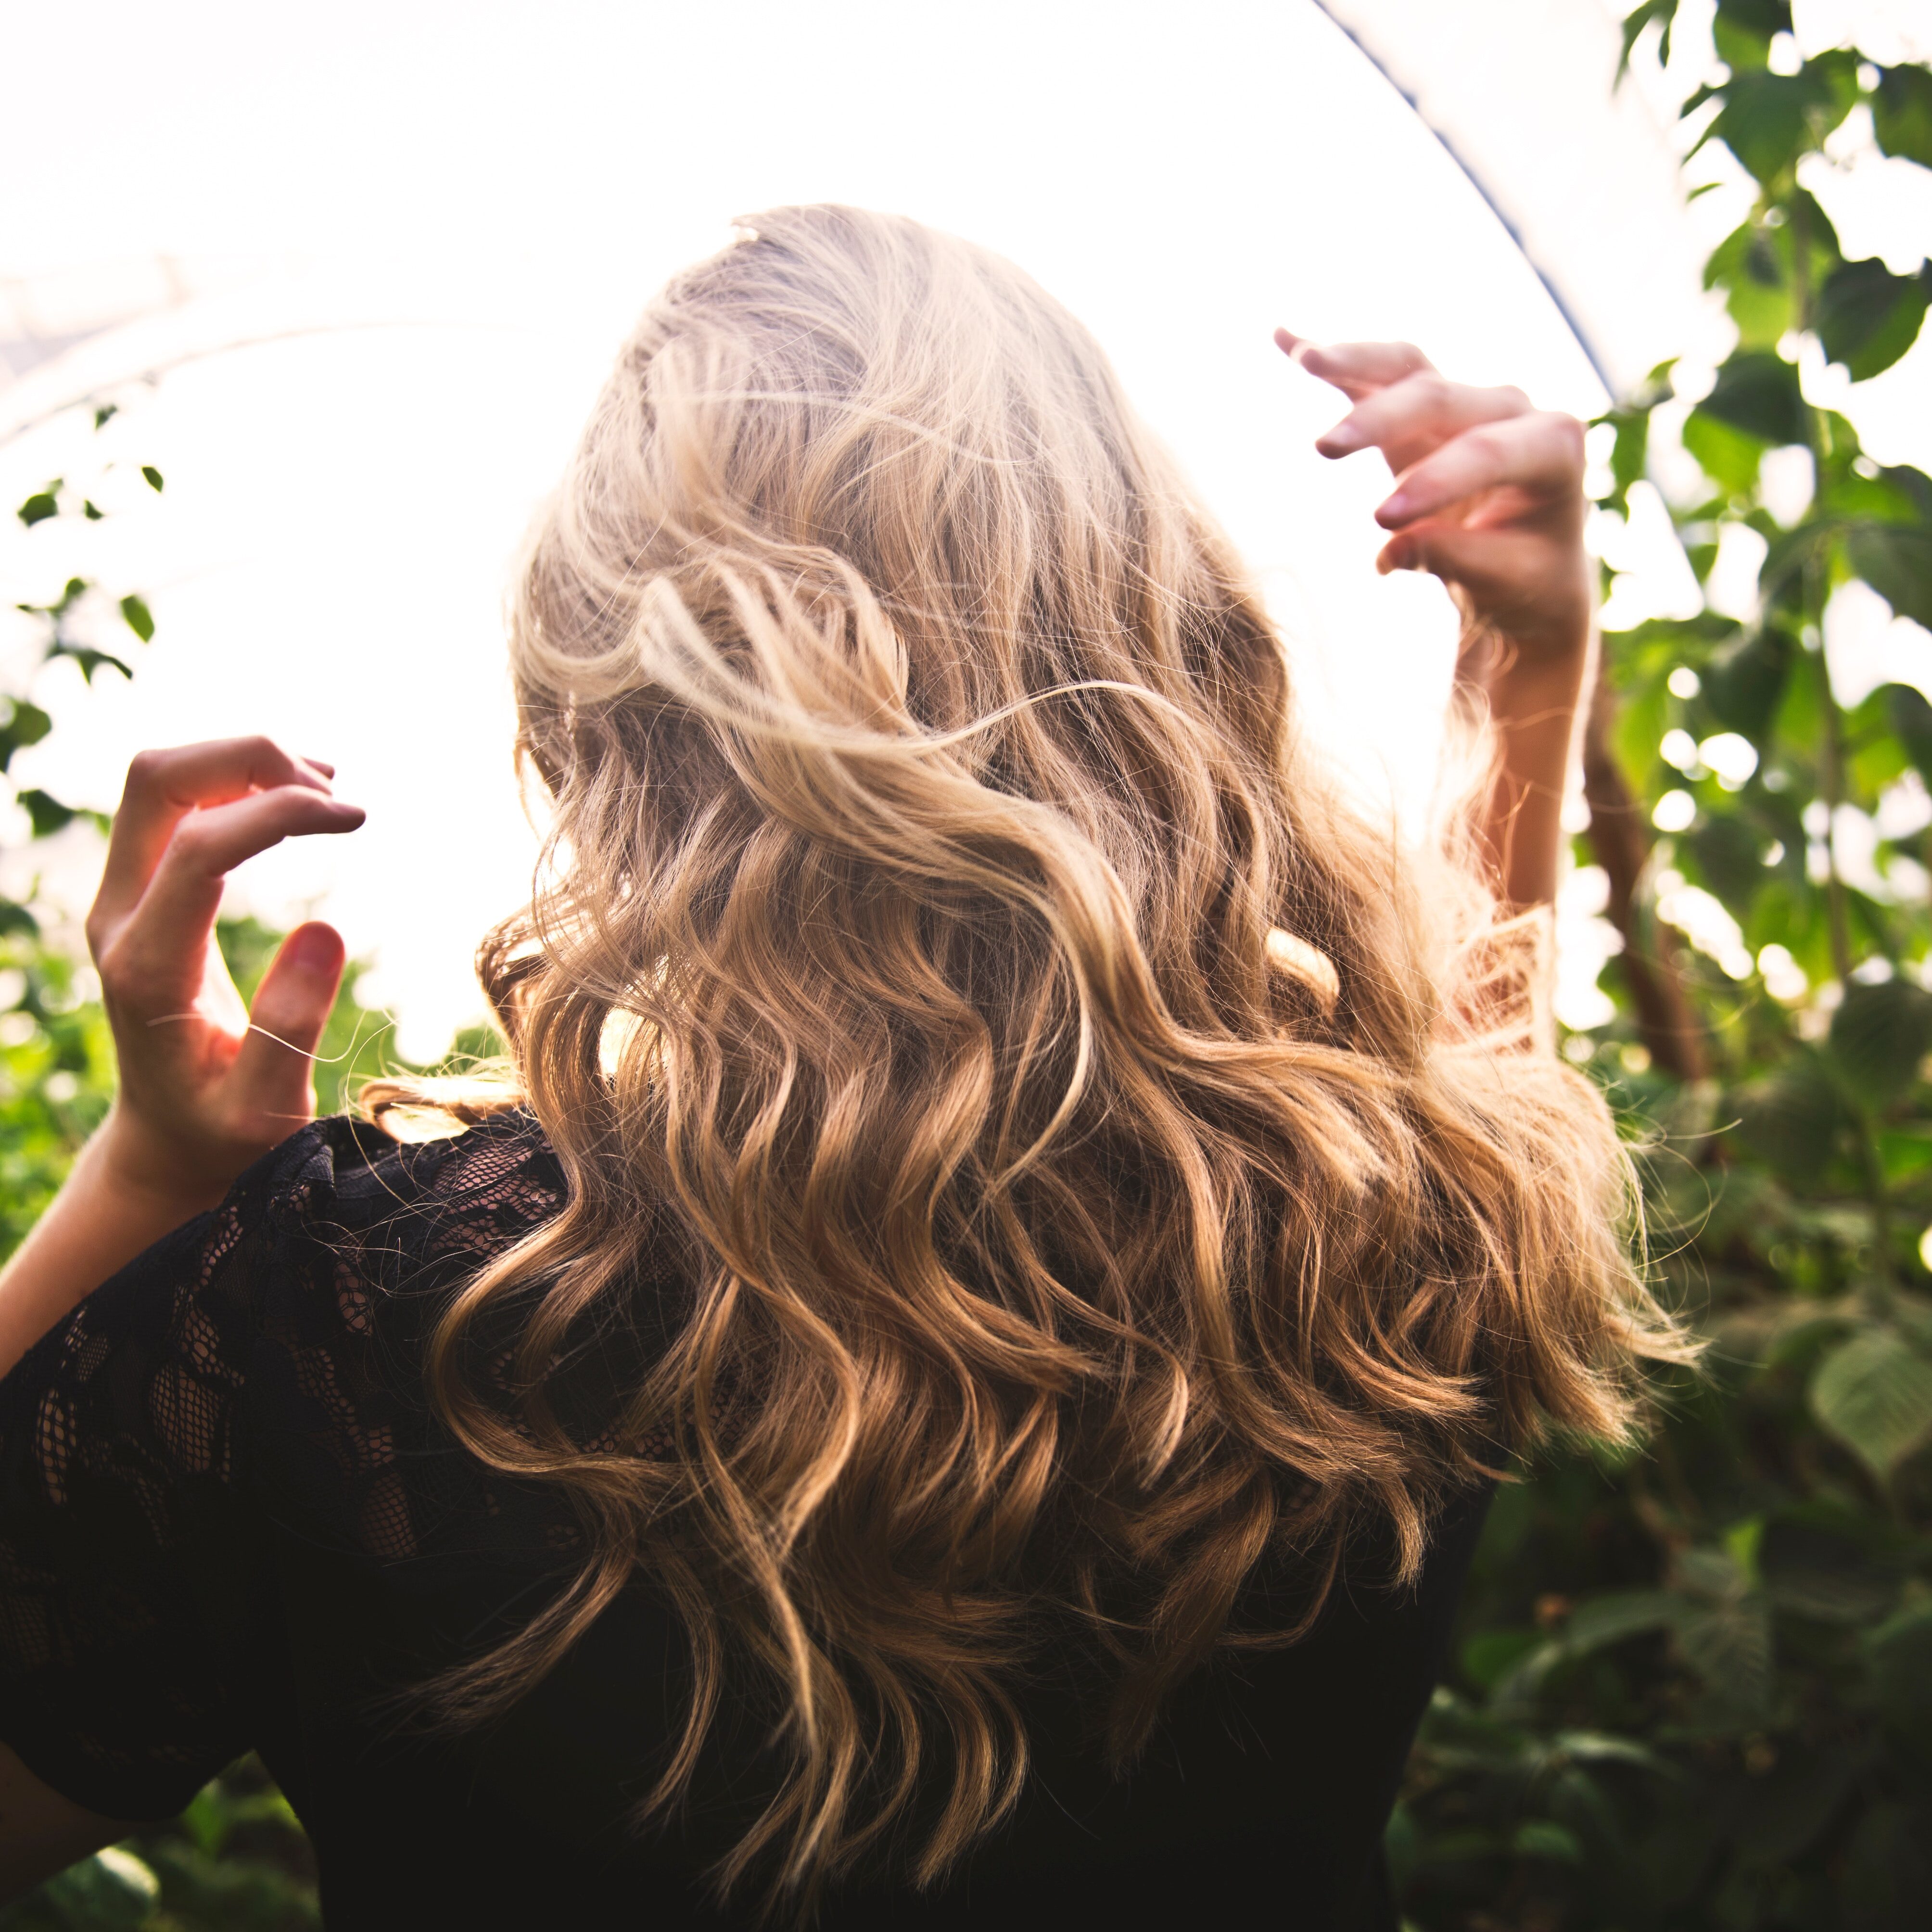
<point>1532,705</point>
<point>109,1210</point>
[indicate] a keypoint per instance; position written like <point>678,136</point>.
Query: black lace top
<point>228,1521</point>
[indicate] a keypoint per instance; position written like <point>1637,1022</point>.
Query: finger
<point>161,945</point>
<point>1542,454</point>
<point>274,1072</point>
<point>1411,417</point>
<point>163,786</point>
<point>1504,572</point>
<point>1356,368</point>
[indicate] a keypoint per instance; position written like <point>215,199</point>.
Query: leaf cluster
<point>1693,1687</point>
<point>237,1860</point>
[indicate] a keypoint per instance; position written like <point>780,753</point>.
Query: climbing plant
<point>1693,1686</point>
<point>237,1860</point>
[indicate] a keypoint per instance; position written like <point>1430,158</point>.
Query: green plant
<point>1693,1688</point>
<point>237,1860</point>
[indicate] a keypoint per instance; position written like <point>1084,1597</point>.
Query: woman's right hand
<point>1488,493</point>
<point>206,1085</point>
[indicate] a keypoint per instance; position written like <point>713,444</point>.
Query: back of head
<point>926,792</point>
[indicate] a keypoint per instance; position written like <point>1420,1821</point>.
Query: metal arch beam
<point>1469,172</point>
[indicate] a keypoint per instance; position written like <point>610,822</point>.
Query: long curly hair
<point>1101,1158</point>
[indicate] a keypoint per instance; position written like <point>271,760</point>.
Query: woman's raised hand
<point>1488,490</point>
<point>206,1086</point>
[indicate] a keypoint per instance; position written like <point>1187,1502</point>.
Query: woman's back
<point>244,1403</point>
<point>1044,1218</point>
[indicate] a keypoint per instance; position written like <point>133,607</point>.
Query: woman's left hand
<point>206,1085</point>
<point>1488,490</point>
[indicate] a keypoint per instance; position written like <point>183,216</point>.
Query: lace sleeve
<point>252,1376</point>
<point>129,1582</point>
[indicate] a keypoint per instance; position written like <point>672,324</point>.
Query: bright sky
<point>471,201</point>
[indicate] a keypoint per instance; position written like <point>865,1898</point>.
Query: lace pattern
<point>255,1373</point>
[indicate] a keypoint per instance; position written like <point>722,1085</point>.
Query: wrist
<point>1522,686</point>
<point>156,1174</point>
<point>121,1195</point>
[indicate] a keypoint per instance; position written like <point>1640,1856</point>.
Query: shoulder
<point>340,1179</point>
<point>337,1220</point>
<point>344,1236</point>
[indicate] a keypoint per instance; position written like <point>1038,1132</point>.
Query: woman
<point>957,1376</point>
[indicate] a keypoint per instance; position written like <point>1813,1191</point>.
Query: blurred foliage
<point>237,1860</point>
<point>1693,1688</point>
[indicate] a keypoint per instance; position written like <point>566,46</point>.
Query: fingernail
<point>312,949</point>
<point>1341,440</point>
<point>1396,508</point>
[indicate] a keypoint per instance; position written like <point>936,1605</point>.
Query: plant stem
<point>1833,773</point>
<point>1620,841</point>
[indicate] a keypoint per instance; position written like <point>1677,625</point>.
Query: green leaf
<point>1730,457</point>
<point>1901,110</point>
<point>1905,1151</point>
<point>1767,120</point>
<point>90,660</point>
<point>1763,18</point>
<point>153,475</point>
<point>1636,734</point>
<point>209,1819</point>
<point>1746,264</point>
<point>46,811</point>
<point>1899,1651</point>
<point>1793,1119</point>
<point>1875,758</point>
<point>1743,29</point>
<point>1791,1808</point>
<point>1490,1654</point>
<point>1887,1874</point>
<point>1757,392</point>
<point>103,411</point>
<point>1758,266</point>
<point>1829,1565</point>
<point>1543,1838</point>
<point>111,1891</point>
<point>1891,546</point>
<point>1639,18</point>
<point>1874,1393</point>
<point>26,724</point>
<point>1744,679</point>
<point>1867,317</point>
<point>1599,1621</point>
<point>140,619</point>
<point>77,587</point>
<point>1911,718</point>
<point>1799,723</point>
<point>1725,850</point>
<point>1729,1645</point>
<point>1598,1747</point>
<point>40,506</point>
<point>1629,452</point>
<point>1879,1035</point>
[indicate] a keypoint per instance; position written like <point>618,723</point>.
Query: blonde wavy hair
<point>1102,1159</point>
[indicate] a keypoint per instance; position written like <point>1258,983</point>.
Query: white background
<point>443,218</point>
